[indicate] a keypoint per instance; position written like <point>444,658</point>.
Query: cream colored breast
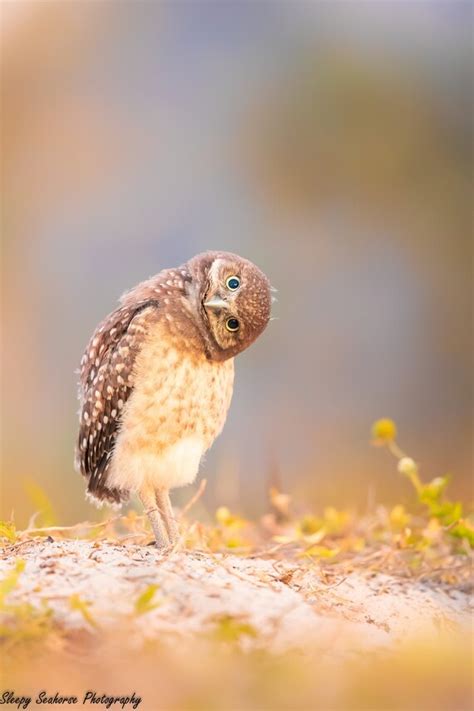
<point>177,408</point>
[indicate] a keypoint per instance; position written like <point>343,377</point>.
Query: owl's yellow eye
<point>232,283</point>
<point>232,325</point>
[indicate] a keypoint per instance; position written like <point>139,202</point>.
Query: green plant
<point>230,628</point>
<point>145,601</point>
<point>8,531</point>
<point>431,495</point>
<point>82,606</point>
<point>21,622</point>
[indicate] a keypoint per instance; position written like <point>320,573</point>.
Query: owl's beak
<point>216,302</point>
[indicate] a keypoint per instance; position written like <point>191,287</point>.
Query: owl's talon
<point>165,550</point>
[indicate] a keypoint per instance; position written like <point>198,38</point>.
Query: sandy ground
<point>285,603</point>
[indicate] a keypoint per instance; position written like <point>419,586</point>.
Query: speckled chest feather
<point>178,407</point>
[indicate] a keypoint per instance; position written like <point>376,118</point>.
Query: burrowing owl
<point>157,376</point>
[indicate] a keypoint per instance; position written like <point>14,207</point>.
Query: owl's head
<point>232,299</point>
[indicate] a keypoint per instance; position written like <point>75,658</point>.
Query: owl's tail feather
<point>98,493</point>
<point>106,497</point>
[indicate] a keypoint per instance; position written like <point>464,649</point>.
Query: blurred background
<point>328,142</point>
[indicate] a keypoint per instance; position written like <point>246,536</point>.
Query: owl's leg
<point>166,510</point>
<point>147,497</point>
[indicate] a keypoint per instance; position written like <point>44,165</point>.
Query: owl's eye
<point>232,325</point>
<point>232,283</point>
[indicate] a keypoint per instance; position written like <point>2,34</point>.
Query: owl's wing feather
<point>106,383</point>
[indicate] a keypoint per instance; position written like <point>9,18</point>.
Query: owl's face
<point>233,301</point>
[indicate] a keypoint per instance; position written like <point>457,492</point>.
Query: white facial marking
<point>214,271</point>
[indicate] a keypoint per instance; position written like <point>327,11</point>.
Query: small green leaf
<point>447,511</point>
<point>225,518</point>
<point>231,629</point>
<point>464,529</point>
<point>399,518</point>
<point>432,492</point>
<point>144,602</point>
<point>335,521</point>
<point>80,605</point>
<point>321,552</point>
<point>8,530</point>
<point>310,524</point>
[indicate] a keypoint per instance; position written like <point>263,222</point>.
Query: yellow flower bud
<point>384,430</point>
<point>223,515</point>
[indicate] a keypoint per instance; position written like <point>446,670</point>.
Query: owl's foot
<point>164,505</point>
<point>164,550</point>
<point>147,497</point>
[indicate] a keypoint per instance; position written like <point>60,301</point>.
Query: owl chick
<point>156,380</point>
